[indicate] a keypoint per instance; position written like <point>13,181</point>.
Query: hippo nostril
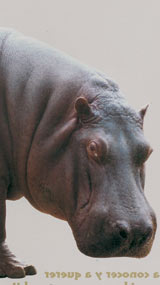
<point>142,240</point>
<point>141,237</point>
<point>123,234</point>
<point>146,236</point>
<point>123,230</point>
<point>133,244</point>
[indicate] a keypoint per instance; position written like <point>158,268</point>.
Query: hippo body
<point>74,148</point>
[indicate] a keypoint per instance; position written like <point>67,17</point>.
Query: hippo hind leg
<point>9,265</point>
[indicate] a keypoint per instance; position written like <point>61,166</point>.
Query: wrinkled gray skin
<point>74,148</point>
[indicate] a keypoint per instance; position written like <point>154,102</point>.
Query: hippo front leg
<point>9,265</point>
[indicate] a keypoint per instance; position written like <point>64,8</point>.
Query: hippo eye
<point>93,149</point>
<point>97,150</point>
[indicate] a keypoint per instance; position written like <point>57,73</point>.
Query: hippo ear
<point>143,111</point>
<point>82,107</point>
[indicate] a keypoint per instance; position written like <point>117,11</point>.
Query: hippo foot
<point>11,267</point>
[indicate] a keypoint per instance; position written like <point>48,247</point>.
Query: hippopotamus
<point>74,148</point>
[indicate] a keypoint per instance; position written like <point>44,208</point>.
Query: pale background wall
<point>121,38</point>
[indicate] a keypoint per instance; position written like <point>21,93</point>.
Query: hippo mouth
<point>117,249</point>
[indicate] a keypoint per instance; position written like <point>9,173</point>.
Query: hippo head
<point>91,173</point>
<point>109,214</point>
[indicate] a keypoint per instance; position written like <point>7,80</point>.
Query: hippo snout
<point>122,232</point>
<point>118,238</point>
<point>123,236</point>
